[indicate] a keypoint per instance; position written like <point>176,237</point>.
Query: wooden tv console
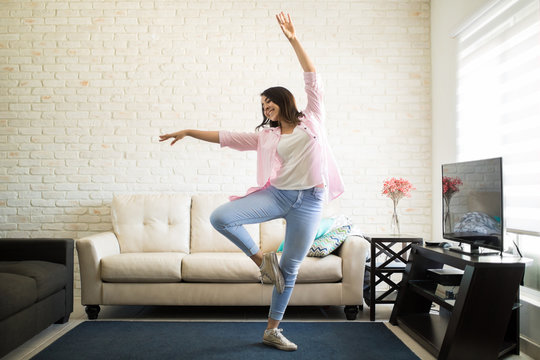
<point>482,322</point>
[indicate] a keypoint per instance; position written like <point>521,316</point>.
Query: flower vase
<point>394,224</point>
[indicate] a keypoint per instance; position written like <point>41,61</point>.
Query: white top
<point>296,153</point>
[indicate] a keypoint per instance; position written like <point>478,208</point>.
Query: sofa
<point>163,250</point>
<point>36,287</point>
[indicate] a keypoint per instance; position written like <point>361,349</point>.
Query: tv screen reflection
<point>472,202</point>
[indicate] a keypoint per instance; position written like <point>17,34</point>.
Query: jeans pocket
<point>318,193</point>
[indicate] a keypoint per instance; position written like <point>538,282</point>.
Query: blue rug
<point>224,340</point>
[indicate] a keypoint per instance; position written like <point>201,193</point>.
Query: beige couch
<point>164,251</point>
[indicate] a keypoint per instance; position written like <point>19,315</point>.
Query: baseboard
<point>529,347</point>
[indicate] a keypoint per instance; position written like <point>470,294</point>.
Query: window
<point>498,109</point>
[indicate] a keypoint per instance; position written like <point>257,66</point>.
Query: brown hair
<point>287,107</point>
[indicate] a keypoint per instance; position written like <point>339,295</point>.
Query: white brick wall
<point>87,87</point>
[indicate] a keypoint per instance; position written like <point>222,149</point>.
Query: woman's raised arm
<point>287,27</point>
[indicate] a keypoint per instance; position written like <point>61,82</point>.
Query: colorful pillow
<point>329,242</point>
<point>324,226</point>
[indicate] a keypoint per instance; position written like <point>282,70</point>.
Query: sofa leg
<point>92,311</point>
<point>351,311</point>
<point>63,320</point>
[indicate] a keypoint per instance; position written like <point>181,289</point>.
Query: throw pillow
<point>329,242</point>
<point>324,226</point>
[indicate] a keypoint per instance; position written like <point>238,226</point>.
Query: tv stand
<point>483,320</point>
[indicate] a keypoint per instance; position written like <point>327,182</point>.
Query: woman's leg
<point>302,223</point>
<point>257,207</point>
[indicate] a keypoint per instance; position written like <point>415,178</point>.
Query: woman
<point>295,171</point>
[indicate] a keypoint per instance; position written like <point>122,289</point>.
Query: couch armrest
<point>353,255</point>
<point>91,250</point>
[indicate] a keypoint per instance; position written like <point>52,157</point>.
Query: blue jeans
<point>302,211</point>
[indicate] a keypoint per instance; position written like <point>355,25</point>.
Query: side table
<point>380,271</point>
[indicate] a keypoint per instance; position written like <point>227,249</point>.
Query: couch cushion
<point>219,267</point>
<point>237,267</point>
<point>152,222</point>
<point>49,277</point>
<point>204,238</point>
<point>320,270</point>
<point>142,267</point>
<point>18,292</point>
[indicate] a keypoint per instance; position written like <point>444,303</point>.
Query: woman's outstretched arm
<point>210,136</point>
<point>287,27</point>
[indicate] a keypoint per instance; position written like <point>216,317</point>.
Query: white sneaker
<point>274,337</point>
<point>270,269</point>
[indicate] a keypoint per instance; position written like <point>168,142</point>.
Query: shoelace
<point>278,331</point>
<point>281,337</point>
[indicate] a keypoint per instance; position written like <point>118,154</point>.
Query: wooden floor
<point>173,313</point>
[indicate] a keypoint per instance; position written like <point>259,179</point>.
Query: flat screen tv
<point>472,197</point>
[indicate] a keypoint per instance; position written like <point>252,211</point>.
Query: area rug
<point>224,340</point>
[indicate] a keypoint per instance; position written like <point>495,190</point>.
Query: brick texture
<point>88,86</point>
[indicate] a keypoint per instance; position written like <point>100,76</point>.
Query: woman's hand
<point>179,135</point>
<point>286,25</point>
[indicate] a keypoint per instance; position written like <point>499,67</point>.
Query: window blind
<point>498,101</point>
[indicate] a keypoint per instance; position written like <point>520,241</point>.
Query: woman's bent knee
<point>217,219</point>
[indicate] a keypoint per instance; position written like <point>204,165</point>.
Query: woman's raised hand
<point>179,135</point>
<point>286,25</point>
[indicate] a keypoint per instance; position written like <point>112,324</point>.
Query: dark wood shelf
<point>427,329</point>
<point>390,298</point>
<point>507,348</point>
<point>483,320</point>
<point>394,266</point>
<point>428,288</point>
<point>383,263</point>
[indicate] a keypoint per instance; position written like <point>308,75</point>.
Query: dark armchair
<point>36,287</point>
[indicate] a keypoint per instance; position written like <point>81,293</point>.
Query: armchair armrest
<point>91,250</point>
<point>353,254</point>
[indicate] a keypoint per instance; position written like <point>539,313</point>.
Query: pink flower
<point>396,189</point>
<point>451,185</point>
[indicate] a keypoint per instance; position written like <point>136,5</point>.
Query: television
<point>472,197</point>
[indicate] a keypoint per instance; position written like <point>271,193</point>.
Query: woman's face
<point>270,109</point>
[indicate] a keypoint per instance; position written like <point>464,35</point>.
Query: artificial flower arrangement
<point>450,186</point>
<point>396,189</point>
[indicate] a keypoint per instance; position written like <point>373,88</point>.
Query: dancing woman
<point>296,171</point>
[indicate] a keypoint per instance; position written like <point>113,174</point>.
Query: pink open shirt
<point>265,143</point>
